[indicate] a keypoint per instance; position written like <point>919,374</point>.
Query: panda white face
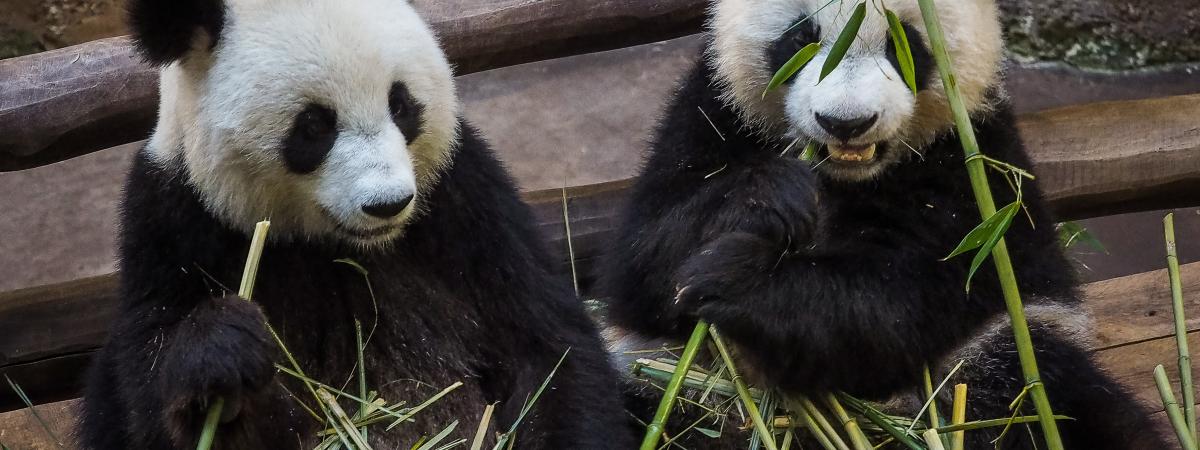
<point>329,119</point>
<point>863,114</point>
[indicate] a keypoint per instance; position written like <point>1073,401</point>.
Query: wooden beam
<point>1117,157</point>
<point>77,100</point>
<point>45,322</point>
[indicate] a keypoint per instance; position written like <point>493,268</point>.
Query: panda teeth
<point>852,154</point>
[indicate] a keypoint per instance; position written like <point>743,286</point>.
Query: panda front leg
<point>818,319</point>
<point>219,349</point>
<point>1105,415</point>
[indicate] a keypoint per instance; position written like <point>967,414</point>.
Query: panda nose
<point>388,209</point>
<point>846,129</point>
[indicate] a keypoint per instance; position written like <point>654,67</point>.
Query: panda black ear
<point>165,30</point>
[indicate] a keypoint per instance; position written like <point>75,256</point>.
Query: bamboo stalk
<point>654,430</point>
<point>210,425</point>
<point>245,291</point>
<point>1181,340</point>
<point>987,207</point>
<point>834,437</point>
<point>814,429</point>
<point>1173,411</point>
<point>768,439</point>
<point>959,416</point>
<point>934,420</point>
<point>933,440</point>
<point>857,437</point>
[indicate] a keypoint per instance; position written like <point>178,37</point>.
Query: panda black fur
<point>460,288</point>
<point>829,278</point>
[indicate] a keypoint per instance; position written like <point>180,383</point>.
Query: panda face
<point>863,115</point>
<point>331,121</point>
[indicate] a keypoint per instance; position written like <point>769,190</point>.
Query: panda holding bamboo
<point>828,275</point>
<point>338,121</point>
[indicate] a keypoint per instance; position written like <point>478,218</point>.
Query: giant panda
<point>828,275</point>
<point>338,121</point>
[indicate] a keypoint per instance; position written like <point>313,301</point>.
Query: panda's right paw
<point>220,350</point>
<point>778,202</point>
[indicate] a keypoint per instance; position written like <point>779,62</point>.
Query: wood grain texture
<point>63,103</point>
<point>1137,308</point>
<point>1117,157</point>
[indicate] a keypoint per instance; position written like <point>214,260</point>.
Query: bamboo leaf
<point>428,445</point>
<point>903,50</point>
<point>844,40</point>
<point>1005,217</point>
<point>1071,233</point>
<point>982,233</point>
<point>793,65</point>
<point>707,432</point>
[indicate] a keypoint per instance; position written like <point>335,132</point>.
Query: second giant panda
<point>828,275</point>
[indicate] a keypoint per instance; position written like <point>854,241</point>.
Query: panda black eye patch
<point>406,111</point>
<point>795,38</point>
<point>313,133</point>
<point>922,57</point>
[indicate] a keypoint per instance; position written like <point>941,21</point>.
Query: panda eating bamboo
<point>828,275</point>
<point>337,121</point>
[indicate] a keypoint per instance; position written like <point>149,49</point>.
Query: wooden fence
<point>1092,160</point>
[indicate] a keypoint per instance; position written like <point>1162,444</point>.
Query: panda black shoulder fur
<point>340,124</point>
<point>830,277</point>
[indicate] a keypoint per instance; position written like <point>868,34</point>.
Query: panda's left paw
<point>721,274</point>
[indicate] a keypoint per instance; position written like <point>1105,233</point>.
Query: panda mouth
<point>852,154</point>
<point>360,233</point>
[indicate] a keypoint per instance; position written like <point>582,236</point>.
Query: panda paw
<point>220,350</point>
<point>718,281</point>
<point>778,203</point>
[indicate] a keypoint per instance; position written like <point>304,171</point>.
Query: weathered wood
<point>66,319</point>
<point>1137,308</point>
<point>1131,340</point>
<point>33,317</point>
<point>20,430</point>
<point>64,103</point>
<point>1117,157</point>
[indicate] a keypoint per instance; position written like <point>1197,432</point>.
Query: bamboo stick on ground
<point>654,431</point>
<point>933,440</point>
<point>743,391</point>
<point>959,416</point>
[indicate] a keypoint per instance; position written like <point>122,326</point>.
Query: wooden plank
<point>1137,308</point>
<point>1116,157</point>
<point>77,100</point>
<point>1133,366</point>
<point>1132,315</point>
<point>19,430</point>
<point>32,318</point>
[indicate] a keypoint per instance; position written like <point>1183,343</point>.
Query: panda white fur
<point>337,121</point>
<point>828,276</point>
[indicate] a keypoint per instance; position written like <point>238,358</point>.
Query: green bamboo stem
<point>1173,412</point>
<point>654,430</point>
<point>245,291</point>
<point>1181,340</point>
<point>987,207</point>
<point>857,437</point>
<point>834,437</point>
<point>210,425</point>
<point>934,420</point>
<point>764,433</point>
